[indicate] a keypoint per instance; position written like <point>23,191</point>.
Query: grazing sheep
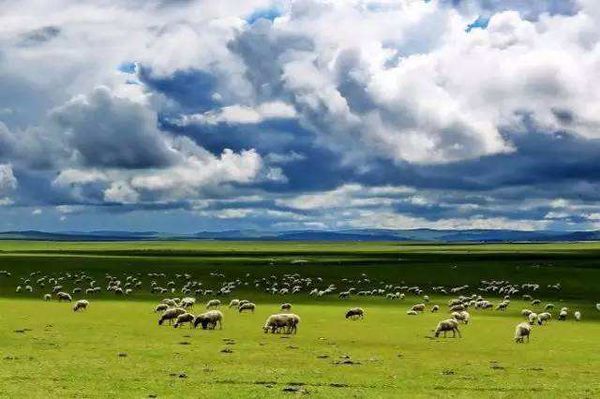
<point>288,322</point>
<point>532,318</point>
<point>355,313</point>
<point>170,302</point>
<point>598,307</point>
<point>209,320</point>
<point>457,308</point>
<point>577,315</point>
<point>562,316</point>
<point>234,303</point>
<point>63,296</point>
<point>526,312</point>
<point>447,325</point>
<point>549,306</point>
<point>170,315</point>
<point>411,313</point>
<point>435,308</point>
<point>521,331</point>
<point>543,317</point>
<point>502,306</point>
<point>463,316</point>
<point>47,297</point>
<point>81,304</point>
<point>213,303</point>
<point>184,318</point>
<point>536,302</point>
<point>420,307</point>
<point>161,307</point>
<point>248,306</point>
<point>286,306</point>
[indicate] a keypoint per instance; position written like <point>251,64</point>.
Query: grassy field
<point>116,348</point>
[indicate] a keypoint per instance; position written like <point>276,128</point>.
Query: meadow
<point>116,349</point>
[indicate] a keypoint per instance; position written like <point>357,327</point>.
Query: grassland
<point>47,350</point>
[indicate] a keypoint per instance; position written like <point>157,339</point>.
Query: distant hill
<point>426,235</point>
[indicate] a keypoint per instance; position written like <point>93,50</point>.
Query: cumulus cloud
<point>334,113</point>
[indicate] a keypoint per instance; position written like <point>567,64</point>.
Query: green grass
<point>76,355</point>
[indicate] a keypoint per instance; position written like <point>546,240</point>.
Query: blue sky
<point>181,116</point>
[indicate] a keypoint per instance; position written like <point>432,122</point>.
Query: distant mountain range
<point>427,235</point>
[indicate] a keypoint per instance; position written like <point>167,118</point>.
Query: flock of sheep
<point>177,312</point>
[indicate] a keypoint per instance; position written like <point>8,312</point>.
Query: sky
<point>182,116</point>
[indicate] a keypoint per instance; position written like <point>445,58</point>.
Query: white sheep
<point>47,297</point>
<point>447,325</point>
<point>184,318</point>
<point>161,307</point>
<point>562,316</point>
<point>435,308</point>
<point>248,306</point>
<point>577,315</point>
<point>420,307</point>
<point>213,303</point>
<point>170,315</point>
<point>234,303</point>
<point>63,296</point>
<point>463,316</point>
<point>81,304</point>
<point>286,307</point>
<point>598,307</point>
<point>543,317</point>
<point>282,321</point>
<point>411,313</point>
<point>355,313</point>
<point>532,318</point>
<point>526,312</point>
<point>521,331</point>
<point>210,320</point>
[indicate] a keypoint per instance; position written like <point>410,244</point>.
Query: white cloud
<point>239,114</point>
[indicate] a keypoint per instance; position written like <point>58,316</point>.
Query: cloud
<point>335,114</point>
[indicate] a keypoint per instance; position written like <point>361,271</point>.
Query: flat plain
<point>116,348</point>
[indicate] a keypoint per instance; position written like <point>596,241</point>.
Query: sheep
<point>184,318</point>
<point>447,325</point>
<point>549,306</point>
<point>249,306</point>
<point>521,331</point>
<point>213,303</point>
<point>435,308</point>
<point>170,302</point>
<point>63,296</point>
<point>457,308</point>
<point>209,320</point>
<point>532,318</point>
<point>170,315</point>
<point>411,313</point>
<point>562,316</point>
<point>502,306</point>
<point>234,303</point>
<point>282,321</point>
<point>598,307</point>
<point>161,307</point>
<point>463,316</point>
<point>526,312</point>
<point>355,313</point>
<point>577,315</point>
<point>543,317</point>
<point>286,307</point>
<point>81,304</point>
<point>420,307</point>
<point>187,303</point>
<point>47,297</point>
